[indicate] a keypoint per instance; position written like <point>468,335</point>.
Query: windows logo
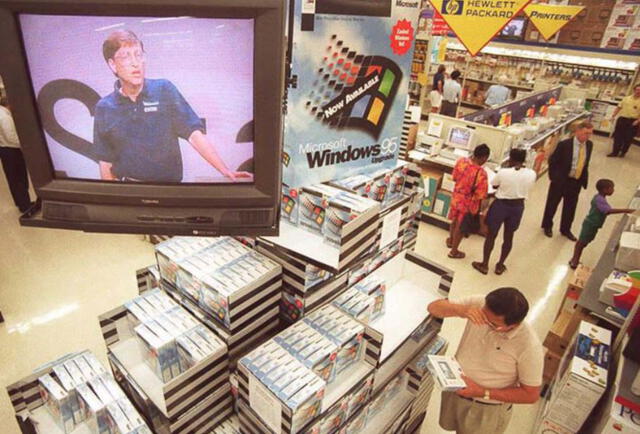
<point>353,90</point>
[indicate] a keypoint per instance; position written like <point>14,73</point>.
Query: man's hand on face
<point>476,315</point>
<point>473,390</point>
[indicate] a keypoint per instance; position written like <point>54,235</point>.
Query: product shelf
<point>380,421</point>
<point>45,423</point>
<point>628,371</point>
<point>344,382</point>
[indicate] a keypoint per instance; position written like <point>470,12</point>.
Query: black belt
<point>486,403</point>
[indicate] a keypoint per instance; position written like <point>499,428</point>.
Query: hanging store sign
<point>549,19</point>
<point>476,22</point>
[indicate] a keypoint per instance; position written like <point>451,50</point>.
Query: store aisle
<point>537,265</point>
<point>54,283</point>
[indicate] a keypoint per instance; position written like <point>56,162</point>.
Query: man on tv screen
<point>137,126</point>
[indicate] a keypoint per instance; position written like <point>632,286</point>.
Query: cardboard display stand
<point>351,67</point>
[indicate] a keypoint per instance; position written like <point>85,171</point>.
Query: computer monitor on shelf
<point>460,137</point>
<point>149,116</point>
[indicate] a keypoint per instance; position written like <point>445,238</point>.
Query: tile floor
<point>54,283</point>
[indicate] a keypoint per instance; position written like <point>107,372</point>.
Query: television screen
<point>460,137</point>
<point>165,100</point>
<point>514,29</point>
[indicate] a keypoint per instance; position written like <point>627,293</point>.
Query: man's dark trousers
<point>568,192</point>
<point>16,173</point>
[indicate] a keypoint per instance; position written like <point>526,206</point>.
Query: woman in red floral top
<point>471,187</point>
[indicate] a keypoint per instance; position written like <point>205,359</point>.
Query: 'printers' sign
<point>476,22</point>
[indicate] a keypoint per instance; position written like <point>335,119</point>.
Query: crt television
<point>148,116</point>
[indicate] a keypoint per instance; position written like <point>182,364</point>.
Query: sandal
<point>500,268</point>
<point>457,255</point>
<point>480,267</point>
<point>449,244</point>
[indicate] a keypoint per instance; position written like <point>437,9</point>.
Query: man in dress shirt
<point>569,172</point>
<point>451,95</point>
<point>501,358</point>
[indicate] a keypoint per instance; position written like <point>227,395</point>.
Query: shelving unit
<point>605,79</point>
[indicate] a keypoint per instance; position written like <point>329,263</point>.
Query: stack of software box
<point>340,225</point>
<point>581,380</point>
<point>365,300</point>
<point>77,392</point>
<point>170,340</point>
<point>231,288</point>
<point>284,381</point>
<point>384,186</point>
<point>328,212</point>
<point>175,368</point>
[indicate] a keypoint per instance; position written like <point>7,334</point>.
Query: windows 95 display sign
<point>352,67</point>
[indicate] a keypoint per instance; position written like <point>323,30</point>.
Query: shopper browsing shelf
<point>513,186</point>
<point>497,94</point>
<point>569,172</point>
<point>501,357</point>
<point>592,223</point>
<point>13,164</point>
<point>627,124</point>
<point>471,187</point>
<point>451,92</point>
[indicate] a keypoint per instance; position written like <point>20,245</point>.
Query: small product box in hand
<point>447,373</point>
<point>58,402</point>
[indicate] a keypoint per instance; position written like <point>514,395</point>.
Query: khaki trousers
<point>466,417</point>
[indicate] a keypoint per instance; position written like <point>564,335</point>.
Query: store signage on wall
<point>345,114</point>
<point>476,22</point>
<point>549,19</point>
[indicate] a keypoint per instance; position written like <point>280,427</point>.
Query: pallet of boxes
<point>566,323</point>
<point>74,394</point>
<point>350,362</point>
<point>579,384</point>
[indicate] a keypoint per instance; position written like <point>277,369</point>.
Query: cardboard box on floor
<point>563,330</point>
<point>551,365</point>
<point>576,284</point>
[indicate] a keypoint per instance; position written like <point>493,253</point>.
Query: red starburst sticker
<point>402,37</point>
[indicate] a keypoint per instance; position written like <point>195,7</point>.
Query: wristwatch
<point>487,394</point>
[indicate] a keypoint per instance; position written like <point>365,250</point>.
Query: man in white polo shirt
<point>501,357</point>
